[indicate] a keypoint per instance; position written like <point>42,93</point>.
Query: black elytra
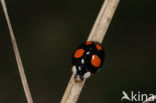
<point>84,61</point>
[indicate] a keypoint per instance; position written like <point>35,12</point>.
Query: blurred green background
<point>47,32</point>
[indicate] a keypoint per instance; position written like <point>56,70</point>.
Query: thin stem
<point>97,33</point>
<point>17,55</point>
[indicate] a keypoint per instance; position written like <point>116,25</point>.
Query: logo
<point>136,97</point>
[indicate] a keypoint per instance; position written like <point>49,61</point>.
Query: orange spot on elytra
<point>88,42</point>
<point>95,61</point>
<point>78,53</point>
<point>98,47</point>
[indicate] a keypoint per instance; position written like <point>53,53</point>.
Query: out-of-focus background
<point>48,31</point>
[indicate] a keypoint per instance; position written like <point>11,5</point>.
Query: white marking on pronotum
<point>79,68</point>
<point>87,75</point>
<point>82,61</point>
<point>74,69</point>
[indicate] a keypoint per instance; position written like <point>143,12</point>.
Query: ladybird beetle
<point>87,59</point>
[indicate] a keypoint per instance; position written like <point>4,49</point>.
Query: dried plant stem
<point>17,55</point>
<point>97,34</point>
